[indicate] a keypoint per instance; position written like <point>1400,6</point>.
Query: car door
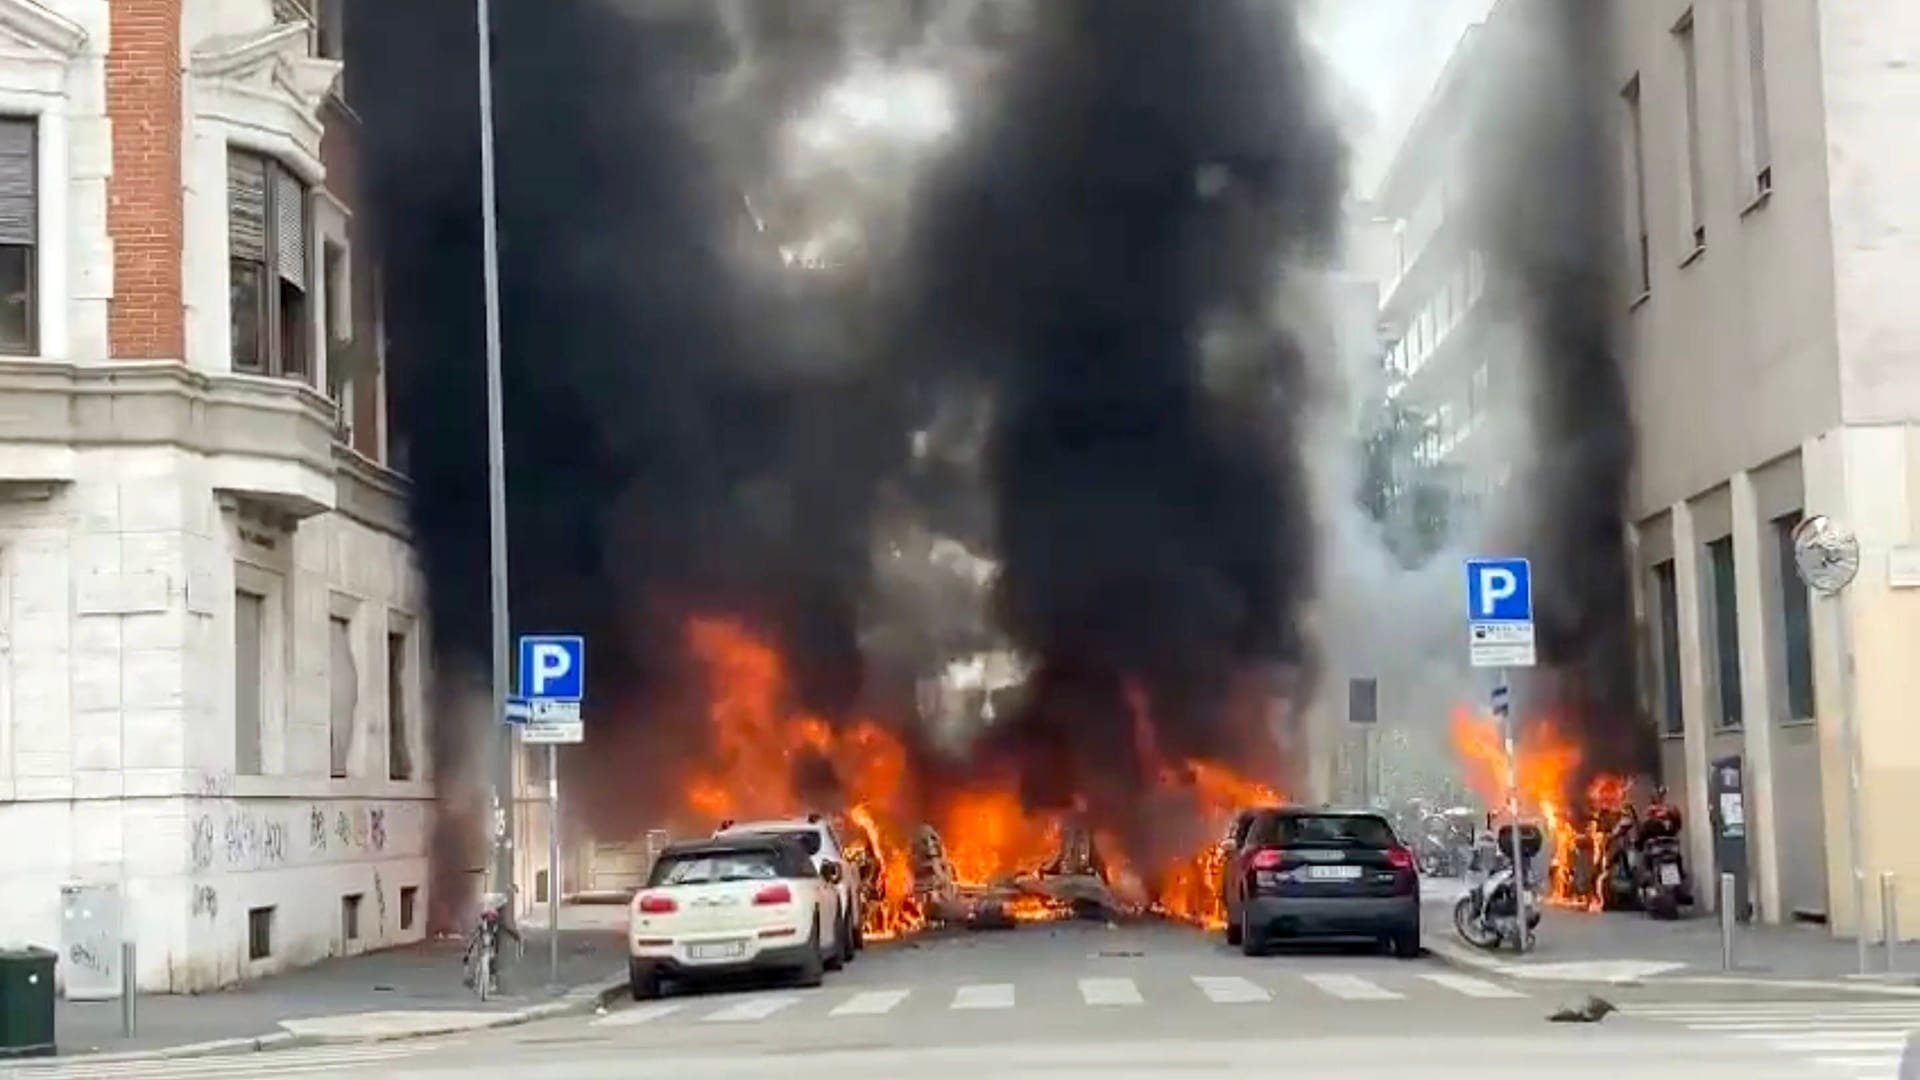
<point>1232,868</point>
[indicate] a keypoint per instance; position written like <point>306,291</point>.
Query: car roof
<point>1325,811</point>
<point>773,825</point>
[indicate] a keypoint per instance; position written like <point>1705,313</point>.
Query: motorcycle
<point>1662,877</point>
<point>1487,916</point>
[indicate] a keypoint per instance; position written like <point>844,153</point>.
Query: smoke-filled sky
<point>788,282</point>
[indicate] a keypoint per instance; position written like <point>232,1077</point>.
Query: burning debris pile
<point>1580,822</point>
<point>936,841</point>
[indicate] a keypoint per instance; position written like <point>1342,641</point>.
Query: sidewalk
<point>395,993</point>
<point>1628,946</point>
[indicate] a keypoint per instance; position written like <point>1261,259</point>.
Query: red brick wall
<point>146,318</point>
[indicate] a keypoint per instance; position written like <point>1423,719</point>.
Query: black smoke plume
<point>1546,182</point>
<point>671,445</point>
<point>1104,251</point>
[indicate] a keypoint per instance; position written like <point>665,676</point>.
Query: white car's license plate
<point>1669,874</point>
<point>1332,873</point>
<point>717,950</point>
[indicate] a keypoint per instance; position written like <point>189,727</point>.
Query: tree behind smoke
<point>1545,179</point>
<point>1104,250</point>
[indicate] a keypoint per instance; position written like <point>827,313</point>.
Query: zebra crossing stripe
<point>1352,988</point>
<point>753,1008</point>
<point>984,996</point>
<point>870,1003</point>
<point>1110,992</point>
<point>279,1063</point>
<point>639,1014</point>
<point>1472,987</point>
<point>1230,990</point>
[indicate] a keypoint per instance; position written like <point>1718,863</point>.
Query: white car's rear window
<point>709,869</point>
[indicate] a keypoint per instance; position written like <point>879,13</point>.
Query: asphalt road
<point>1080,1000</point>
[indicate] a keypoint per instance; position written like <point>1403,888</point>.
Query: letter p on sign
<point>552,668</point>
<point>1496,584</point>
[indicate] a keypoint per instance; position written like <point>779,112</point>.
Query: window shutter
<point>18,214</point>
<point>290,227</point>
<point>247,207</point>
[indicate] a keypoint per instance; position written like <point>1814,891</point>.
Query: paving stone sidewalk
<point>1605,946</point>
<point>395,993</point>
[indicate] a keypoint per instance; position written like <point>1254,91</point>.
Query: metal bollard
<point>1890,921</point>
<point>1727,902</point>
<point>129,990</point>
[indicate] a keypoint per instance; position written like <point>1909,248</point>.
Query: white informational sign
<point>1495,645</point>
<point>556,732</point>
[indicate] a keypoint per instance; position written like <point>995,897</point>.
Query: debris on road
<point>1591,1011</point>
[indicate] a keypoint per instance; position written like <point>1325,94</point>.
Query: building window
<point>267,241</point>
<point>1795,622</point>
<point>409,896</point>
<point>19,236</point>
<point>1667,600</point>
<point>1636,166</point>
<point>350,917</point>
<point>1695,201</point>
<point>259,933</point>
<point>249,651</point>
<point>1726,630</point>
<point>344,681</point>
<point>1758,142</point>
<point>399,748</point>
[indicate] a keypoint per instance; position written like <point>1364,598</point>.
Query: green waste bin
<point>26,1002</point>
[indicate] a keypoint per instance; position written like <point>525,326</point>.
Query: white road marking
<point>1352,988</point>
<point>1110,992</point>
<point>1230,990</point>
<point>751,1009</point>
<point>984,996</point>
<point>273,1063</point>
<point>639,1014</point>
<point>1470,986</point>
<point>870,1003</point>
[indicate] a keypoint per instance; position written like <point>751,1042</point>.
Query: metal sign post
<point>552,685</point>
<point>1500,636</point>
<point>1827,556</point>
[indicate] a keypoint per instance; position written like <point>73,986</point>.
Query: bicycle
<point>482,959</point>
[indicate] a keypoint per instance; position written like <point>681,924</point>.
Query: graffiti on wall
<point>201,844</point>
<point>239,837</point>
<point>206,902</point>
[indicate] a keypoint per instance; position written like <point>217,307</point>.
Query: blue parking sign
<point>1499,591</point>
<point>553,667</point>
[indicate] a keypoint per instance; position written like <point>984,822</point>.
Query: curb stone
<point>581,999</point>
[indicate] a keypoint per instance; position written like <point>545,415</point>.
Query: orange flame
<point>758,746</point>
<point>1547,763</point>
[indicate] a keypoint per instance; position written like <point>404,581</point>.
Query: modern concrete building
<point>1447,350</point>
<point>1773,248</point>
<point>212,652</point>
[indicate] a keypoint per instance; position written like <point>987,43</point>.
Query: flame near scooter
<point>1487,915</point>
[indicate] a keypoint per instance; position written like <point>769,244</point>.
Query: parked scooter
<point>1487,916</point>
<point>1662,876</point>
<point>1620,862</point>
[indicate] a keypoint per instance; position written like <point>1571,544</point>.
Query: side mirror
<point>830,872</point>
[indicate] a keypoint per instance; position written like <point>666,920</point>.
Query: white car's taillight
<point>773,894</point>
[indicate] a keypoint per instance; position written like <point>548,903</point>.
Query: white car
<point>817,836</point>
<point>730,905</point>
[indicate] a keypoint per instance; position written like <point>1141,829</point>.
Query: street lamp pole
<point>499,735</point>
